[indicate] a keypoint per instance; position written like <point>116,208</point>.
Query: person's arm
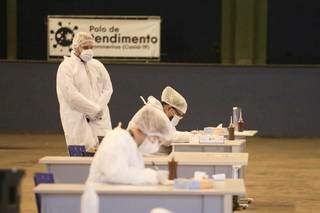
<point>117,169</point>
<point>181,137</point>
<point>73,97</point>
<point>107,87</point>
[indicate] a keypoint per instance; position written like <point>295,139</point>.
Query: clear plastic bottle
<point>89,199</point>
<point>235,117</point>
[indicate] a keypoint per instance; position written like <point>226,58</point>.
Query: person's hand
<point>162,176</point>
<point>92,149</point>
<point>99,115</point>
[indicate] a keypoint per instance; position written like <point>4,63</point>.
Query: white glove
<point>160,210</point>
<point>162,176</point>
<point>92,149</point>
<point>98,116</point>
<point>195,132</point>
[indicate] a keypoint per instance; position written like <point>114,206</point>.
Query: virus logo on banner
<point>61,38</point>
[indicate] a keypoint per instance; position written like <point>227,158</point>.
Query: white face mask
<point>86,55</point>
<point>175,120</point>
<point>149,147</point>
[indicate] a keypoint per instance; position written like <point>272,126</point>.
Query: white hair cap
<point>152,122</point>
<point>81,38</point>
<point>174,99</point>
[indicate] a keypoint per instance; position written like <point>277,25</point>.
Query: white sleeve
<point>107,89</point>
<point>72,96</point>
<point>117,169</point>
<point>181,137</point>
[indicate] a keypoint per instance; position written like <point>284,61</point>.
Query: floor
<point>283,175</point>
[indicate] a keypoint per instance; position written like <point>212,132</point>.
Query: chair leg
<point>242,203</point>
<point>246,200</point>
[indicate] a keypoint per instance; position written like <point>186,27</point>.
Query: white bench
<point>65,198</point>
<point>76,169</point>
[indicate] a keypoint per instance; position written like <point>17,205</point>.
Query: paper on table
<point>198,175</point>
<point>194,138</point>
<point>214,139</point>
<point>219,177</point>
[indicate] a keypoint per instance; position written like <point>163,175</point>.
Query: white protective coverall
<point>178,136</point>
<point>83,90</point>
<point>118,160</point>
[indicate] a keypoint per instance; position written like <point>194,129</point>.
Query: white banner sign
<point>114,37</point>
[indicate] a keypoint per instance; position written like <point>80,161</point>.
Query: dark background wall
<point>3,26</point>
<point>278,101</point>
<point>190,35</point>
<point>190,30</point>
<point>293,32</point>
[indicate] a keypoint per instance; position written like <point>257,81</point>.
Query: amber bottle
<point>231,130</point>
<point>240,123</point>
<point>172,166</point>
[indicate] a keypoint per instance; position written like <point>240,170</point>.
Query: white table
<point>246,133</point>
<point>65,198</point>
<point>227,146</point>
<point>240,135</point>
<point>76,169</point>
<point>237,145</point>
<point>243,135</point>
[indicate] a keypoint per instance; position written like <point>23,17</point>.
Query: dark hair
<point>164,103</point>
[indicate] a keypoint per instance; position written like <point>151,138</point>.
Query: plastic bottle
<point>172,166</point>
<point>89,199</point>
<point>231,130</point>
<point>240,123</point>
<point>235,116</point>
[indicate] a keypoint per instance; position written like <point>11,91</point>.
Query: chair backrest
<point>41,178</point>
<point>89,154</point>
<point>77,150</point>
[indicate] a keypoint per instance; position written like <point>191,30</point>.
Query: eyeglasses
<point>178,113</point>
<point>156,139</point>
<point>87,45</point>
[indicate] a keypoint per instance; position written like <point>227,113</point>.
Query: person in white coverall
<point>175,107</point>
<point>119,157</point>
<point>84,90</point>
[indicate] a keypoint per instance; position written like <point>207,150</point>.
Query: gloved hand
<point>98,116</point>
<point>162,176</point>
<point>92,149</point>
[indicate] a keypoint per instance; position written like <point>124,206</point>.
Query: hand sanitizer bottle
<point>240,123</point>
<point>231,130</point>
